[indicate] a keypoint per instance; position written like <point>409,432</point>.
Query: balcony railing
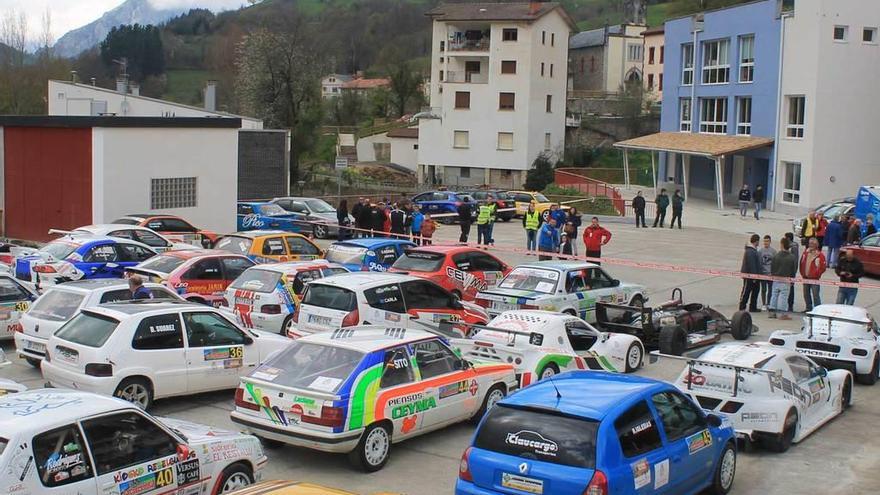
<point>572,120</point>
<point>480,45</point>
<point>453,76</point>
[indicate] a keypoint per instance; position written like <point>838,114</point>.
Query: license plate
<point>34,346</point>
<point>243,301</point>
<point>320,320</point>
<point>521,483</point>
<point>500,306</point>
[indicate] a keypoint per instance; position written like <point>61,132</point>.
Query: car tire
<point>495,394</point>
<point>634,350</point>
<point>286,326</point>
<point>33,362</point>
<point>549,370</point>
<point>446,220</point>
<point>741,325</point>
<point>136,390</point>
<point>234,477</point>
<point>373,449</point>
<point>781,442</point>
<point>846,396</point>
<point>725,471</point>
<point>673,340</point>
<point>870,378</point>
<point>320,231</point>
<point>270,444</point>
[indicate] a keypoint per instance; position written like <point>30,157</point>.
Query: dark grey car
<point>314,210</point>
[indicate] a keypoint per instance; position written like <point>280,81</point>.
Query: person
<point>661,202</point>
<point>812,266</point>
<point>821,227</point>
<point>833,241</point>
<point>808,228</point>
<point>465,217</point>
<point>677,208</point>
<point>415,224</point>
<point>531,221</point>
<point>342,219</point>
<point>137,289</point>
<point>784,264</point>
<point>428,228</point>
<point>573,223</point>
<point>751,265</point>
<point>493,209</point>
<point>565,245</point>
<point>596,236</point>
<point>758,199</point>
<point>766,253</point>
<point>854,236</point>
<point>484,216</point>
<point>795,250</point>
<point>850,270</point>
<point>870,229</point>
<point>386,224</point>
<point>399,221</point>
<point>548,239</point>
<point>375,219</point>
<point>638,203</point>
<point>559,214</point>
<point>364,218</point>
<point>745,197</point>
<point>356,214</point>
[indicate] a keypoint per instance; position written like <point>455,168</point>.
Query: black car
<point>503,201</point>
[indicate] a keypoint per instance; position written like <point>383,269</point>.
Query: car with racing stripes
<point>462,270</point>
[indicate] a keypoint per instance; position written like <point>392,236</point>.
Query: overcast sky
<point>71,14</point>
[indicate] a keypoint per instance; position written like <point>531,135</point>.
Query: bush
<point>540,174</point>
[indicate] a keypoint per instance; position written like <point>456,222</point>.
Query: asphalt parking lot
<point>842,457</point>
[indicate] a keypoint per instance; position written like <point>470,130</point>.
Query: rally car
<point>320,214</point>
<point>443,203</point>
<point>522,199</point>
<point>270,246</point>
<point>572,287</point>
<point>542,344</point>
<point>374,254</point>
<point>358,390</point>
<point>771,395</point>
<point>504,203</point>
<point>674,326</point>
<point>265,297</point>
<point>15,299</point>
<point>140,351</point>
<point>462,270</point>
<point>199,275</point>
<point>73,442</point>
<point>144,235</point>
<point>80,258</point>
<point>269,216</point>
<point>379,299</point>
<point>837,336</point>
<point>595,433</point>
<point>172,227</point>
<point>8,386</point>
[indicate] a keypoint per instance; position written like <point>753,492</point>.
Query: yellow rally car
<point>278,487</point>
<point>270,246</point>
<point>542,203</point>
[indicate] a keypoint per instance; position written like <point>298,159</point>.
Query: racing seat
<point>676,300</point>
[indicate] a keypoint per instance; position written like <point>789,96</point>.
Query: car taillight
<point>464,468</point>
<point>99,369</point>
<point>44,269</point>
<point>270,309</point>
<point>240,402</point>
<point>330,416</point>
<point>295,316</point>
<point>482,302</point>
<point>598,485</point>
<point>365,268</point>
<point>775,341</point>
<point>351,319</point>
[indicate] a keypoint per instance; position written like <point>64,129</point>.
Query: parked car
<point>522,199</point>
<point>375,254</point>
<point>868,252</point>
<point>829,210</point>
<point>15,299</point>
<point>268,216</point>
<point>70,441</point>
<point>142,351</point>
<point>281,487</point>
<point>172,227</point>
<point>200,275</point>
<point>59,303</point>
<point>144,235</point>
<point>462,270</point>
<point>270,246</point>
<point>596,433</point>
<point>378,299</point>
<point>8,386</point>
<point>502,200</point>
<point>440,202</point>
<point>320,214</point>
<point>572,287</point>
<point>265,297</point>
<point>359,390</point>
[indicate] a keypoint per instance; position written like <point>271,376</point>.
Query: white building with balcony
<point>498,83</point>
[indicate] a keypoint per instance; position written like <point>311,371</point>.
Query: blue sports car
<point>436,202</point>
<point>269,216</point>
<point>375,254</point>
<point>597,433</point>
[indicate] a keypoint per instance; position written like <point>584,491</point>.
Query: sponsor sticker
<point>533,441</point>
<point>325,383</point>
<point>453,389</point>
<point>412,408</point>
<point>187,472</point>
<point>223,353</point>
<point>641,471</point>
<point>522,483</point>
<point>699,441</point>
<point>267,374</point>
<point>661,474</point>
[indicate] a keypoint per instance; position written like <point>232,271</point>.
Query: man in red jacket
<point>812,267</point>
<point>596,236</point>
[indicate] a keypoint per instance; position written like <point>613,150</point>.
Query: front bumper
<point>62,378</point>
<point>29,346</point>
<point>339,443</point>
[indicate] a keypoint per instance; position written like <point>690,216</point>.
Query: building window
<point>685,115</point>
<point>508,66</point>
<point>506,101</point>
<point>175,192</point>
<point>464,173</point>
<point>795,125</point>
<point>650,82</point>
<point>551,70</point>
<point>549,104</point>
<point>791,189</point>
<point>716,64</point>
<point>747,59</point>
<point>662,53</point>
<point>441,60</point>
<point>634,52</point>
<point>687,64</point>
<point>660,87</point>
<point>463,99</point>
<point>415,146</point>
<point>461,139</point>
<point>542,69</point>
<point>651,55</point>
<point>713,115</point>
<point>543,37</point>
<point>509,34</point>
<point>552,39</point>
<point>547,141</point>
<point>744,116</point>
<point>442,46</point>
<point>869,35</point>
<point>441,76</point>
<point>841,33</point>
<point>505,141</point>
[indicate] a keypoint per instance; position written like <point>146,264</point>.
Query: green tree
<point>540,174</point>
<point>405,86</point>
<point>141,48</point>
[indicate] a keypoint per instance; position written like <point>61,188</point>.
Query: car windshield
<point>319,206</point>
<point>541,198</point>
<point>539,436</point>
<point>272,210</point>
<point>88,329</point>
<point>3,443</point>
<point>257,280</point>
<point>125,221</point>
<point>56,305</point>
<point>834,210</point>
<point>531,279</point>
<point>59,249</point>
<point>162,263</point>
<point>345,254</point>
<point>330,297</point>
<point>501,195</point>
<point>234,244</point>
<point>303,365</point>
<point>419,261</point>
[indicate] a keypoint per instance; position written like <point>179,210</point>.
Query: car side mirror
<point>823,372</point>
<point>615,283</point>
<point>183,452</point>
<point>456,304</point>
<point>248,340</point>
<point>714,420</point>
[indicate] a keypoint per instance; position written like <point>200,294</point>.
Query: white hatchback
<point>145,350</point>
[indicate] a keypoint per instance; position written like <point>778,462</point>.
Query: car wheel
<point>270,444</point>
<point>673,340</point>
<point>320,231</point>
<point>234,477</point>
<point>446,220</point>
<point>495,394</point>
<point>634,356</point>
<point>846,396</point>
<point>870,378</point>
<point>548,371</point>
<point>373,449</point>
<point>570,312</point>
<point>782,441</point>
<point>33,362</point>
<point>287,325</point>
<point>138,391</point>
<point>637,301</point>
<point>741,325</point>
<point>725,471</point>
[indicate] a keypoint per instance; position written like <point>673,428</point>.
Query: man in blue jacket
<point>548,239</point>
<point>416,224</point>
<point>834,236</point>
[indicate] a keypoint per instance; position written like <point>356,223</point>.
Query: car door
<point>100,261</point>
<point>301,249</point>
<point>815,390</point>
<point>644,463</point>
<point>401,398</point>
<point>274,249</point>
<point>425,201</point>
<point>158,344</point>
<point>205,277</point>
<point>385,257</point>
<point>14,301</point>
<point>446,382</point>
<point>595,286</point>
<point>429,303</point>
<point>61,460</point>
<point>868,253</point>
<point>217,352</point>
<point>487,268</point>
<point>385,306</point>
<point>233,267</point>
<point>153,240</point>
<point>688,441</point>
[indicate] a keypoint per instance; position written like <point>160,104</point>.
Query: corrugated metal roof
<point>712,145</point>
<point>594,37</point>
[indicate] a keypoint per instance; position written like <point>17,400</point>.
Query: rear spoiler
<point>604,321</point>
<point>831,319</point>
<point>60,232</point>
<point>737,370</point>
<point>446,328</point>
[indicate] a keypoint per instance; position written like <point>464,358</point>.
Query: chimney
<point>122,85</point>
<point>135,89</point>
<point>211,96</point>
<point>534,7</point>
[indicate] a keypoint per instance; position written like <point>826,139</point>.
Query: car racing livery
<point>837,336</point>
<point>358,390</point>
<point>462,270</point>
<point>15,299</point>
<point>268,216</point>
<point>572,287</point>
<point>771,395</point>
<point>542,344</point>
<point>270,246</point>
<point>172,227</point>
<point>375,254</point>
<point>144,235</point>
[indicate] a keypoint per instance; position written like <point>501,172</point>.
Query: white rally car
<point>8,386</point>
<point>571,287</point>
<point>145,350</point>
<point>771,395</point>
<point>837,336</point>
<point>144,235</point>
<point>541,344</point>
<point>15,299</point>
<point>71,442</point>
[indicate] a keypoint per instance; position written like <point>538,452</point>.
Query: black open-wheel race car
<point>674,326</point>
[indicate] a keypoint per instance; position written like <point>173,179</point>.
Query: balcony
<point>466,77</point>
<point>572,120</point>
<point>458,44</point>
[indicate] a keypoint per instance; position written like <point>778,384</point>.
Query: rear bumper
<point>340,443</point>
<point>467,488</point>
<point>62,378</point>
<point>24,346</point>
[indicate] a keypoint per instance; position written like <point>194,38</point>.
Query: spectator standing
<point>137,289</point>
<point>751,265</point>
<point>416,222</point>
<point>795,250</point>
<point>595,236</point>
<point>766,253</point>
<point>531,221</point>
<point>870,228</point>
<point>821,227</point>
<point>399,221</point>
<point>364,218</point>
<point>808,228</point>
<point>854,236</point>
<point>386,224</point>
<point>812,266</point>
<point>465,217</point>
<point>758,199</point>
<point>375,220</point>
<point>566,244</point>
<point>745,197</point>
<point>850,270</point>
<point>573,224</point>
<point>638,203</point>
<point>661,202</point>
<point>493,216</point>
<point>833,241</point>
<point>784,264</point>
<point>677,209</point>
<point>356,214</point>
<point>342,219</point>
<point>548,239</point>
<point>484,214</point>
<point>428,228</point>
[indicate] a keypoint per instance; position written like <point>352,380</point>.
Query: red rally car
<point>462,270</point>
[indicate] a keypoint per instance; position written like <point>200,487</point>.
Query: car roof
<point>371,242</point>
<point>121,310</point>
<point>102,228</point>
<point>92,284</point>
<point>445,249</point>
<point>253,234</point>
<point>559,265</point>
<point>841,312</point>
<point>586,394</point>
<point>539,318</point>
<point>50,406</point>
<point>364,279</point>
<point>84,240</point>
<point>295,266</point>
<point>189,254</point>
<point>745,354</point>
<point>253,203</point>
<point>368,338</point>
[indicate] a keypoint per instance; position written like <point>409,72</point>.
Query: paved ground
<point>843,457</point>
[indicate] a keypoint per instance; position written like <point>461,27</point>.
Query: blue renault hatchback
<point>596,433</point>
<point>373,254</point>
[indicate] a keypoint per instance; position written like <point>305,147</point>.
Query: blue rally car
<point>596,433</point>
<point>373,254</point>
<point>435,202</point>
<point>269,216</point>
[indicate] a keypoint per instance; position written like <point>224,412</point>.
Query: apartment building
<point>652,68</point>
<point>497,93</point>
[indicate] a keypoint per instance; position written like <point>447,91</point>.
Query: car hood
<point>10,387</point>
<point>197,433</point>
<point>498,292</point>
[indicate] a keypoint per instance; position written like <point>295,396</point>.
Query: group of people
<point>835,234</point>
<point>559,233</point>
<point>661,202</point>
<point>748,197</point>
<point>401,219</point>
<point>486,215</point>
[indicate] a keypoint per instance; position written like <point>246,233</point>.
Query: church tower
<point>635,12</point>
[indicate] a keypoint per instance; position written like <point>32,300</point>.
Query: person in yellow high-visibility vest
<point>484,216</point>
<point>493,206</point>
<point>531,222</point>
